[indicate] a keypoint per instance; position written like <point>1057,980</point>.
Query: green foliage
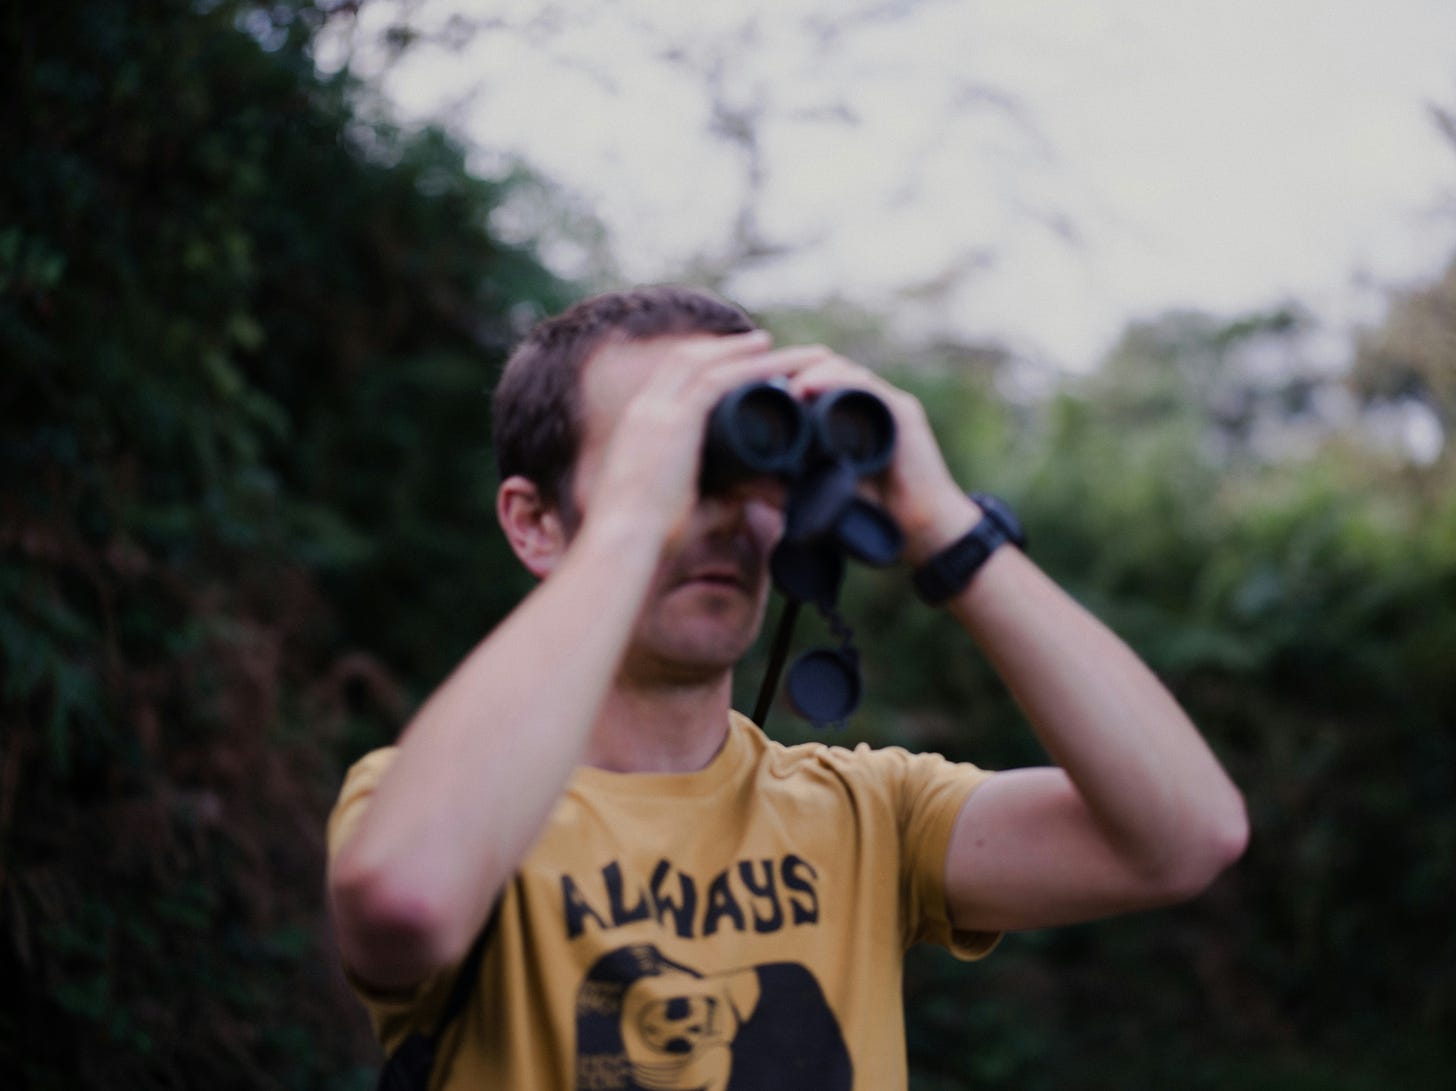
<point>247,334</point>
<point>1304,611</point>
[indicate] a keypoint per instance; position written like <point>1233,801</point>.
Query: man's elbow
<point>392,932</point>
<point>1215,843</point>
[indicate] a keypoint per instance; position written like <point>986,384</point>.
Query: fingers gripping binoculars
<point>820,449</point>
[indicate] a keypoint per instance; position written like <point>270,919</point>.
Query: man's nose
<point>762,490</point>
<point>757,502</point>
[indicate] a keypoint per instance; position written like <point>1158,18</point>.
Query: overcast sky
<point>1028,170</point>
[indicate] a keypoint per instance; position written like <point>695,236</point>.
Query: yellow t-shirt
<point>738,927</point>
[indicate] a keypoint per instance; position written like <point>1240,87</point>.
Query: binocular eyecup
<point>761,430</point>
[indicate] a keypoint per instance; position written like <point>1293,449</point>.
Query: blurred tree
<point>763,84</point>
<point>247,329</point>
<point>1303,607</point>
<point>1409,361</point>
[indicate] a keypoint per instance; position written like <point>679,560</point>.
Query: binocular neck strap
<point>780,652</point>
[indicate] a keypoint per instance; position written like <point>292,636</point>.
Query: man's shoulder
<point>365,773</point>
<point>861,763</point>
<point>359,784</point>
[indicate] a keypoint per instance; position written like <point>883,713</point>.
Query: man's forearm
<point>1146,776</point>
<point>484,760</point>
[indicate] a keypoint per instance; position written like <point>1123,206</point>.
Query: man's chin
<point>677,675</point>
<point>691,657</point>
<point>718,589</point>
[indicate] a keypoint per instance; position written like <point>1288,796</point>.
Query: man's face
<point>706,601</point>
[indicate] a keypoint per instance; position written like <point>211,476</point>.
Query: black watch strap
<point>939,578</point>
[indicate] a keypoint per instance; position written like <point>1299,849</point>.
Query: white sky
<point>1077,163</point>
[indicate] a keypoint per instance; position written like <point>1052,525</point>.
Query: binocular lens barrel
<point>769,426</point>
<point>755,430</point>
<point>854,426</point>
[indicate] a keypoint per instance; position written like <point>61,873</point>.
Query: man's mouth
<point>732,565</point>
<point>720,576</point>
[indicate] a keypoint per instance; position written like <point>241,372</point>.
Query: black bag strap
<point>408,1067</point>
<point>464,983</point>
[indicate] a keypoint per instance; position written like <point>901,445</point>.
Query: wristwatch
<point>952,568</point>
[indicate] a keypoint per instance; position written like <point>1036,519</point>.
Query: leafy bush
<point>248,334</point>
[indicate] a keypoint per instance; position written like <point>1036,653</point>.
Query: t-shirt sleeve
<point>395,1013</point>
<point>359,784</point>
<point>929,791</point>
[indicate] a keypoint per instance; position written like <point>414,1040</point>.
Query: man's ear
<point>533,527</point>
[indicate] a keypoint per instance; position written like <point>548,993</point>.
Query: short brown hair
<point>536,409</point>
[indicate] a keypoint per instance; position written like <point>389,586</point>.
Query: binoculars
<point>821,449</point>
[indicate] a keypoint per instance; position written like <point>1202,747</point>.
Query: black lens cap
<point>868,533</point>
<point>823,686</point>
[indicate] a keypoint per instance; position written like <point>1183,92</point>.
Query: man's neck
<point>660,728</point>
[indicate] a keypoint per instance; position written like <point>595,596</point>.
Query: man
<point>675,900</point>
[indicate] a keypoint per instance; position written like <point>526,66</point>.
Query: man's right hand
<point>646,407</point>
